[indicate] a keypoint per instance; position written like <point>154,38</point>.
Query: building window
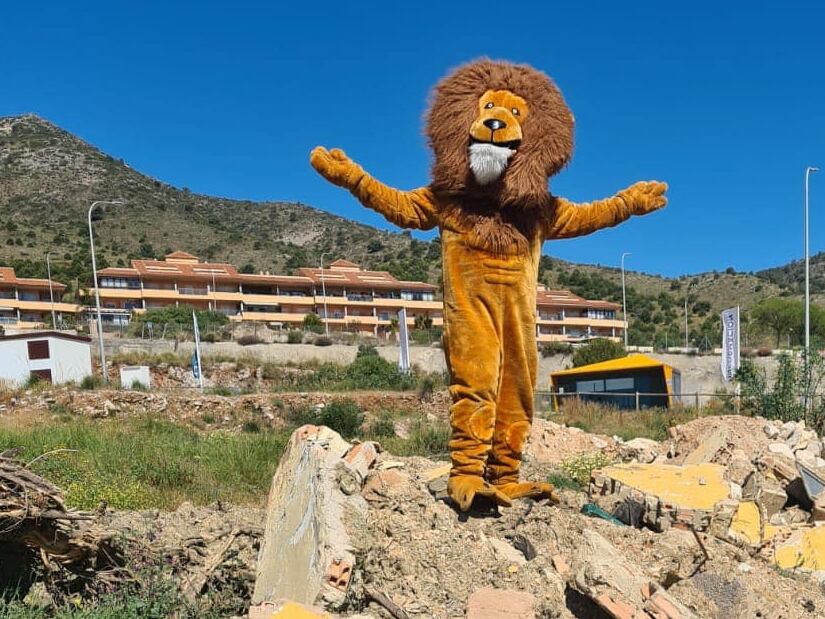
<point>38,349</point>
<point>589,386</point>
<point>619,384</point>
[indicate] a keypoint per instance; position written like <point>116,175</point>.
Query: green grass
<point>154,596</point>
<point>563,481</point>
<point>142,463</point>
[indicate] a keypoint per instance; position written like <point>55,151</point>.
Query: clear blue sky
<point>723,100</point>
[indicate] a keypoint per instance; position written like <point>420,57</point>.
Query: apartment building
<point>25,303</point>
<point>346,296</point>
<point>562,316</point>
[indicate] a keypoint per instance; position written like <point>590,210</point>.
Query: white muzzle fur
<point>487,161</point>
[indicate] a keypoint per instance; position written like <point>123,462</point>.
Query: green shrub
<point>597,350</point>
<point>555,348</point>
<point>382,427</point>
<point>578,468</point>
<point>138,386</point>
<point>294,337</point>
<point>91,382</point>
<point>313,323</point>
<point>322,340</point>
<point>249,340</point>
<point>343,416</point>
<point>366,350</point>
<point>373,372</point>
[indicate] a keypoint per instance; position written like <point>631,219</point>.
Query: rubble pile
<point>755,483</point>
<point>204,410</point>
<point>381,540</point>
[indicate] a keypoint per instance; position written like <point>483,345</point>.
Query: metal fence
<point>554,401</point>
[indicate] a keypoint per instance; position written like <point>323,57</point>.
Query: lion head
<point>499,131</point>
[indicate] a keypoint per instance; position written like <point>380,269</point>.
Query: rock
<point>438,487</point>
<point>771,431</point>
<point>384,484</point>
<point>739,467</point>
<point>506,553</point>
<point>489,603</point>
<point>781,449</point>
<point>790,516</point>
<point>617,585</point>
<point>771,498</point>
<point>710,449</point>
<point>642,450</point>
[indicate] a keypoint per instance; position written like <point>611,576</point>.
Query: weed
<point>563,481</point>
<point>578,468</point>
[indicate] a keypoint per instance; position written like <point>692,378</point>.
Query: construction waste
<point>717,521</point>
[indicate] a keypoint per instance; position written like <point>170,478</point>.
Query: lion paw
<point>529,490</point>
<point>645,197</point>
<point>464,488</point>
<point>335,166</point>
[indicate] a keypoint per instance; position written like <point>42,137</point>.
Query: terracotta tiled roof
<point>343,264</point>
<point>180,255</point>
<point>565,298</point>
<point>8,276</point>
<point>360,278</point>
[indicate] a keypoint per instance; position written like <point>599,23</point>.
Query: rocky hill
<point>48,177</point>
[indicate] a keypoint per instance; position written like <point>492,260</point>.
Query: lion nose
<point>494,123</point>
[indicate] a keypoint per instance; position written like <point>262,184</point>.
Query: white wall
<point>14,361</point>
<point>69,360</point>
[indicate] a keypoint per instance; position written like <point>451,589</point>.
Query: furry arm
<point>407,209</point>
<point>572,219</point>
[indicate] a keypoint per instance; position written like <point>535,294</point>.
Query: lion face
<point>495,134</point>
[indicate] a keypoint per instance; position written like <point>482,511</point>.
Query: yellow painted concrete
<point>699,486</point>
<point>291,610</point>
<point>805,548</point>
<point>747,522</point>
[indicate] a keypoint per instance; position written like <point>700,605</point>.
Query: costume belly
<point>490,346</point>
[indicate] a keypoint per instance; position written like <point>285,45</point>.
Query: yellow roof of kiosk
<point>631,362</point>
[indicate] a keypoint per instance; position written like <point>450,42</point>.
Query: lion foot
<point>464,488</point>
<point>529,490</point>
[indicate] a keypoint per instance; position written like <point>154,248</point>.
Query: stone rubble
<point>413,555</point>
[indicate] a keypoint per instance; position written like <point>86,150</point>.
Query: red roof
<point>8,276</point>
<point>565,298</point>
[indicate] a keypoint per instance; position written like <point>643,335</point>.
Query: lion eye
<point>489,105</point>
<point>515,111</point>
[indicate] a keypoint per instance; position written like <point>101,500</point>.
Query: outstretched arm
<point>408,209</point>
<point>572,219</point>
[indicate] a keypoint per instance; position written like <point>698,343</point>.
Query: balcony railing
<point>193,291</point>
<point>7,321</point>
<point>6,294</point>
<point>359,297</point>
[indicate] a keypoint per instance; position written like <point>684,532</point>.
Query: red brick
<point>616,608</point>
<point>489,603</point>
<point>561,565</point>
<point>338,574</point>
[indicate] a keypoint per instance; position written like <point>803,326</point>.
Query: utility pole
<point>97,287</point>
<point>51,290</point>
<point>687,327</point>
<point>624,300</point>
<point>324,292</point>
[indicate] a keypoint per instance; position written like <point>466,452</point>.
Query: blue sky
<point>724,101</point>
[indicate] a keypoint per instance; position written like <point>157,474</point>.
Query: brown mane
<point>546,147</point>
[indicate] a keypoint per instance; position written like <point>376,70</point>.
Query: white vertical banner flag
<point>197,365</point>
<point>730,343</point>
<point>403,341</point>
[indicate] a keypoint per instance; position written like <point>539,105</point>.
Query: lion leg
<point>473,357</point>
<point>514,408</point>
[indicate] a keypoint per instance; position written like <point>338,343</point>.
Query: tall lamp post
<point>324,292</point>
<point>97,287</point>
<point>624,300</point>
<point>51,290</point>
<point>808,171</point>
<point>687,326</point>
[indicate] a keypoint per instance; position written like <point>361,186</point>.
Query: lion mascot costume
<point>498,131</point>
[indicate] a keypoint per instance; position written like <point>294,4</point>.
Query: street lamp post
<point>808,171</point>
<point>624,300</point>
<point>324,292</point>
<point>97,287</point>
<point>687,326</point>
<point>51,290</point>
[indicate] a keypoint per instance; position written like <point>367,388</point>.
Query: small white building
<point>53,356</point>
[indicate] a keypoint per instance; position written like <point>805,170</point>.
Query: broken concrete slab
<point>306,555</point>
<point>618,586</point>
<point>710,449</point>
<point>286,609</point>
<point>661,495</point>
<point>804,549</point>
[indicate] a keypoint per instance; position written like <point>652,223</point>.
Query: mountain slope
<point>48,178</point>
